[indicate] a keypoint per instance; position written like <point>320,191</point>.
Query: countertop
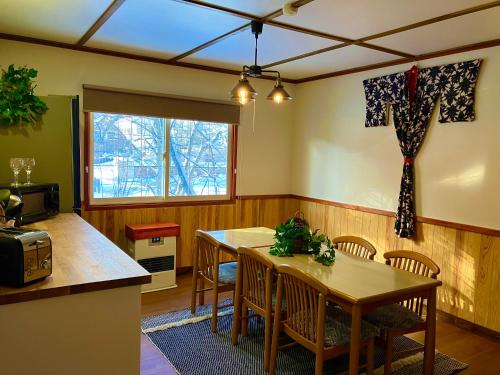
<point>83,260</point>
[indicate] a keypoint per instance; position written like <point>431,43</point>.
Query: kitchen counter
<point>84,318</point>
<point>83,260</point>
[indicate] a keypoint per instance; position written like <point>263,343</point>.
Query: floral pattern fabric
<point>454,84</point>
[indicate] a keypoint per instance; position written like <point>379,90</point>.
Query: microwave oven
<point>40,201</point>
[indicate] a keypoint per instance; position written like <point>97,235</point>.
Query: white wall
<point>457,169</point>
<point>317,145</point>
<point>263,154</point>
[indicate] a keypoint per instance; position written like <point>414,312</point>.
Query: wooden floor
<point>481,353</point>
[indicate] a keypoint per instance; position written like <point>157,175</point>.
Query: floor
<point>481,353</point>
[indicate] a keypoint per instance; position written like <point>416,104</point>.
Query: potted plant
<point>295,237</point>
<point>18,103</point>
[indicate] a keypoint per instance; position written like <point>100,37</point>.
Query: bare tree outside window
<point>129,155</point>
<point>198,158</point>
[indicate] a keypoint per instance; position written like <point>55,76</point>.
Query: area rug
<point>189,344</point>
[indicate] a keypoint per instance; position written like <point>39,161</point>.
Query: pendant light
<point>243,92</point>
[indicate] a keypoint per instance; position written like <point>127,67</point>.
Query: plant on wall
<point>18,103</point>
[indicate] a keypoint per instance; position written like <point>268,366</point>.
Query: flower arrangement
<point>294,231</point>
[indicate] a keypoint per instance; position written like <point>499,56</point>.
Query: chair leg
<point>267,340</point>
<point>388,354</point>
<point>237,304</point>
<point>244,319</point>
<point>318,370</point>
<point>201,297</point>
<point>193,290</point>
<point>274,344</point>
<point>215,309</point>
<point>370,356</point>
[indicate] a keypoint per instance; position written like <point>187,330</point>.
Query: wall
<point>336,158</point>
<point>469,261</point>
<point>263,153</point>
<point>331,156</point>
<point>52,133</point>
<point>244,213</point>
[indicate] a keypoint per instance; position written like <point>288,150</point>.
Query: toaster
<point>25,256</point>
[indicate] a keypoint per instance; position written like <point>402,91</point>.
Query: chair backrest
<point>356,246</point>
<point>305,304</point>
<point>416,263</point>
<point>257,278</point>
<point>208,250</point>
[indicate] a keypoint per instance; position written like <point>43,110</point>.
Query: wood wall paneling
<point>469,261</point>
<point>243,213</point>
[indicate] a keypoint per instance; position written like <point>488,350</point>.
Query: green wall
<point>49,143</point>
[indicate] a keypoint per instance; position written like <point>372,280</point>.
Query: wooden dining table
<point>358,285</point>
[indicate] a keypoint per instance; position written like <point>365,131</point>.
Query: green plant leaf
<point>18,104</point>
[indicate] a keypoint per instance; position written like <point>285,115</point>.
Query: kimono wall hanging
<point>412,96</point>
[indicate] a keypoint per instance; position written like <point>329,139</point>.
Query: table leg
<point>355,340</point>
<point>237,304</point>
<point>430,334</point>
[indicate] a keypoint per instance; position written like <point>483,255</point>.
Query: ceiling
<point>325,37</point>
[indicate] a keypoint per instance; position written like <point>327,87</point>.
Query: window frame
<point>91,203</point>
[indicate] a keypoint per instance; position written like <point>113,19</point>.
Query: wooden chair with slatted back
<point>221,277</point>
<point>255,278</point>
<point>407,316</point>
<point>356,246</point>
<point>321,328</point>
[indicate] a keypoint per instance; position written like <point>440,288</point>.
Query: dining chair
<point>406,316</point>
<point>356,246</point>
<point>221,277</point>
<point>254,291</point>
<point>321,328</point>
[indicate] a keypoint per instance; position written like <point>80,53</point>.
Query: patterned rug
<point>193,349</point>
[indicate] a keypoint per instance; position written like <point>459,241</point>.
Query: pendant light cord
<point>256,41</point>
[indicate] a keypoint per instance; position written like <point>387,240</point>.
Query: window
<point>142,159</point>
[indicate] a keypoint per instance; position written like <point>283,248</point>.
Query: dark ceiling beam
<point>100,21</point>
<point>362,41</point>
<point>210,42</point>
<point>125,55</point>
<point>430,21</point>
<point>219,8</point>
<point>425,56</point>
<point>279,12</point>
<point>232,12</point>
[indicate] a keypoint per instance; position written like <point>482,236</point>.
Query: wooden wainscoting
<point>244,212</point>
<point>469,261</point>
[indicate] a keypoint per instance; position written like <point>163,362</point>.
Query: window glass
<point>198,158</point>
<point>139,158</point>
<point>128,156</point>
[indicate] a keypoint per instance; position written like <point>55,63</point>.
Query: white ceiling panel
<point>456,32</point>
<point>274,44</point>
<point>59,20</point>
<point>162,28</point>
<point>333,61</point>
<point>359,18</point>
<point>256,7</point>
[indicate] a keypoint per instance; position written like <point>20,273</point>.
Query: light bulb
<point>278,98</point>
<point>243,100</point>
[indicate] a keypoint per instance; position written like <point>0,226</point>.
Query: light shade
<point>243,92</point>
<point>278,93</point>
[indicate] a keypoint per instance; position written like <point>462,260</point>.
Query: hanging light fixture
<point>243,92</point>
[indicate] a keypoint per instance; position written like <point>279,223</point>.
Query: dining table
<point>357,284</point>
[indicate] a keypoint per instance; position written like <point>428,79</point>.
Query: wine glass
<point>16,164</point>
<point>29,163</point>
